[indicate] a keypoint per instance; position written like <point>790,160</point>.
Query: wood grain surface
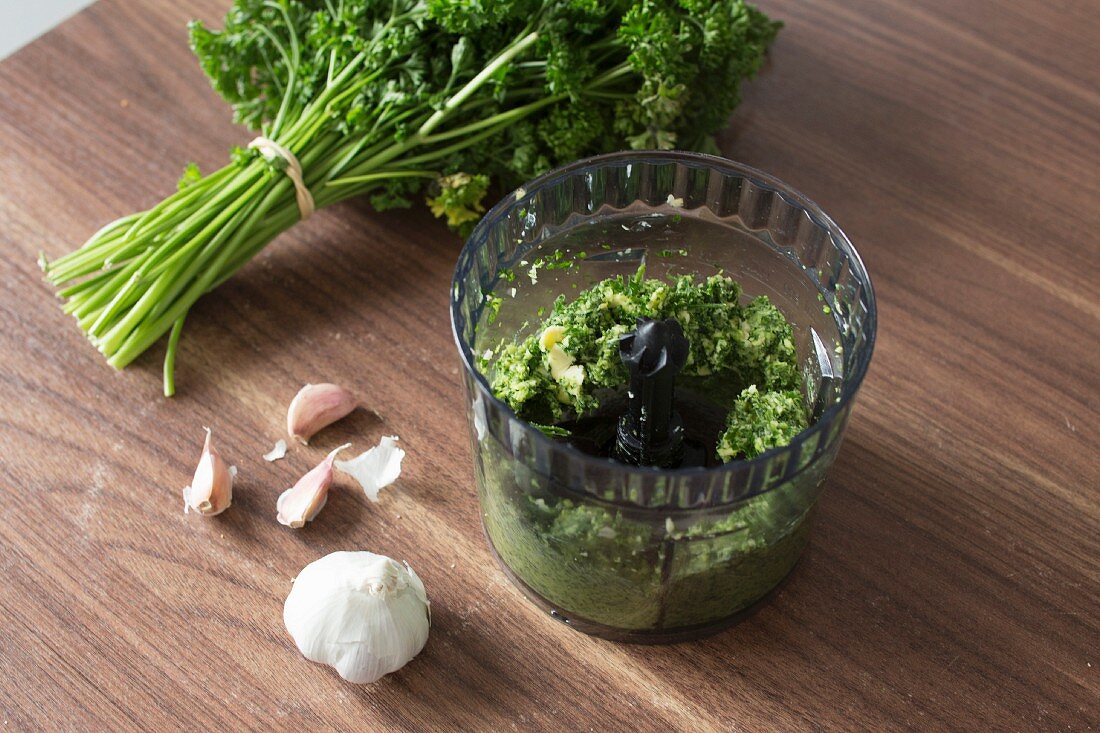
<point>953,578</point>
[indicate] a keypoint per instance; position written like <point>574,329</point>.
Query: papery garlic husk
<point>277,453</point>
<point>376,468</point>
<point>302,502</point>
<point>361,613</point>
<point>317,406</point>
<point>211,489</point>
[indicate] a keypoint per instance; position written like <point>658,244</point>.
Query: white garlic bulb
<point>361,613</point>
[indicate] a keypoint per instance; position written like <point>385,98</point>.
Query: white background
<point>21,21</point>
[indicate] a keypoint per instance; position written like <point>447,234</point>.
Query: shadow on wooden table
<point>479,685</point>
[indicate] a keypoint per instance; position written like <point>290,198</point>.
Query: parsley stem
<point>482,76</point>
<point>170,357</point>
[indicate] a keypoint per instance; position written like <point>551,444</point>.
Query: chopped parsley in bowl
<point>779,320</point>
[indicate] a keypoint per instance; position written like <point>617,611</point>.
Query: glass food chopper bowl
<point>639,553</point>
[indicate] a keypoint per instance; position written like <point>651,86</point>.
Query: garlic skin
<point>376,468</point>
<point>211,489</point>
<point>277,453</point>
<point>363,614</point>
<point>302,502</point>
<point>317,406</point>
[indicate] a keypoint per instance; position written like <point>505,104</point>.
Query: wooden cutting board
<point>951,582</point>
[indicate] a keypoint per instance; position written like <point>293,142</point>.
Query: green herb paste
<point>575,354</point>
<point>595,564</point>
<point>591,560</point>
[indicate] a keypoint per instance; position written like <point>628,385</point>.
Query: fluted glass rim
<point>519,196</point>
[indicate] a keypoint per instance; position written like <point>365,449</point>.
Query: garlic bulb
<point>361,613</point>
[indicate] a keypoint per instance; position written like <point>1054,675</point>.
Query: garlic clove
<point>552,335</point>
<point>302,502</point>
<point>361,613</point>
<point>377,468</point>
<point>211,489</point>
<point>317,406</point>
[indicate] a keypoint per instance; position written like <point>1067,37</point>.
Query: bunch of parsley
<point>398,99</point>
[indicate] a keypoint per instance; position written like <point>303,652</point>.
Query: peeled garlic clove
<point>377,468</point>
<point>300,504</point>
<point>211,489</point>
<point>317,406</point>
<point>363,614</point>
